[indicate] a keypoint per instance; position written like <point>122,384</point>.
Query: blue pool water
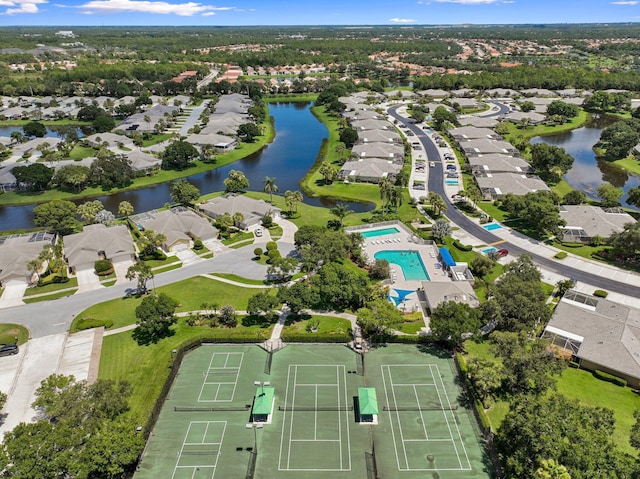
<point>452,182</point>
<point>492,226</point>
<point>489,250</point>
<point>410,261</point>
<point>381,232</point>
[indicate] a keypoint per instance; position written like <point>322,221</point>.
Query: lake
<point>588,171</point>
<point>299,135</point>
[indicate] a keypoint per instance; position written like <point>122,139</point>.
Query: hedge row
<point>561,255</point>
<point>315,338</point>
<point>600,293</point>
<point>53,279</point>
<point>89,323</point>
<point>462,247</point>
<point>483,420</point>
<point>610,378</point>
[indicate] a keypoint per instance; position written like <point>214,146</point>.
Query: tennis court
<point>204,430</point>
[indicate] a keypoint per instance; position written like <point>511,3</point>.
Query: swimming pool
<point>452,182</point>
<point>492,226</point>
<point>385,231</point>
<point>409,260</point>
<point>489,250</point>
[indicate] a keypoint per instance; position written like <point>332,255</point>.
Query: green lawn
<point>146,368</point>
<point>50,288</point>
<point>238,237</point>
<point>190,293</point>
<point>49,297</point>
<point>326,325</point>
<point>238,279</point>
<point>630,164</point>
<point>9,332</point>
<point>542,130</point>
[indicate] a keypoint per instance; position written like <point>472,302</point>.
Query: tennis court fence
<point>420,408</point>
<point>246,407</point>
<point>315,408</point>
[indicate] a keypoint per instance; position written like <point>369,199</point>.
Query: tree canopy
<point>179,155</point>
<point>155,316</point>
<point>58,216</point>
<point>35,176</point>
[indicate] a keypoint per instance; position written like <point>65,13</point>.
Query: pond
<point>588,171</point>
<point>52,132</point>
<point>299,135</point>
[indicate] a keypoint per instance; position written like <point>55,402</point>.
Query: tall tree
<point>609,194</point>
<point>179,155</point>
<point>440,229</point>
<point>125,209</point>
<point>269,186</point>
<point>341,211</point>
<point>58,216</point>
<point>35,176</point>
<point>451,322</point>
<point>236,182</point>
<point>155,316</point>
<point>141,272</point>
<point>89,209</point>
<point>184,193</point>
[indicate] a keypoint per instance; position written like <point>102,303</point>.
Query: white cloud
<point>402,20</point>
<point>15,7</point>
<point>163,8</point>
<point>626,2</point>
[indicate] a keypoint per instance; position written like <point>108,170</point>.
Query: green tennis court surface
<point>423,430</point>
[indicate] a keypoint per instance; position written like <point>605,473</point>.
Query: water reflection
<point>588,171</point>
<point>288,158</point>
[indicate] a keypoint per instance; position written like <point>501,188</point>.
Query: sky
<point>308,12</point>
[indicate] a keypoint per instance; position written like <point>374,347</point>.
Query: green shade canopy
<point>368,401</point>
<point>263,404</point>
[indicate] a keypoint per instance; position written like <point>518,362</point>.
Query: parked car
<point>451,167</point>
<point>503,252</point>
<point>452,174</point>
<point>258,232</point>
<point>9,349</point>
<point>457,197</point>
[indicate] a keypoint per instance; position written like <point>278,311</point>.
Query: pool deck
<point>401,241</point>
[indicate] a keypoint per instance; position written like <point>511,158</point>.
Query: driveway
<point>288,230</point>
<point>87,280</point>
<point>13,292</point>
<point>120,269</point>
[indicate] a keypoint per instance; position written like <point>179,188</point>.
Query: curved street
<point>436,184</point>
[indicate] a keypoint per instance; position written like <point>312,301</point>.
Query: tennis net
<point>246,407</point>
<point>420,408</point>
<point>315,408</point>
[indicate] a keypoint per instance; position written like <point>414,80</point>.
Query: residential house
<point>498,185</point>
<point>585,222</point>
<point>181,226</point>
<point>434,293</point>
<point>96,242</point>
<point>16,251</point>
<point>498,163</point>
<point>252,210</point>
<point>370,170</point>
<point>599,334</point>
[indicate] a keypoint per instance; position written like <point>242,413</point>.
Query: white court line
<point>464,449</point>
<point>318,385</point>
<point>386,395</point>
<point>393,391</point>
<point>315,421</point>
<point>315,440</point>
<point>213,369</point>
<point>414,385</point>
<point>428,440</point>
<point>346,415</point>
<point>200,466</point>
<point>424,425</point>
<point>293,401</point>
<point>284,418</point>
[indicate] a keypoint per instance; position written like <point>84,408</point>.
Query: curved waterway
<point>589,171</point>
<point>288,158</point>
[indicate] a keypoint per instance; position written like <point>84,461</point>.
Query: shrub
<point>462,247</point>
<point>610,378</point>
<point>257,252</point>
<point>574,365</point>
<point>600,293</point>
<point>88,323</point>
<point>271,245</point>
<point>197,245</point>
<point>561,255</point>
<point>103,265</point>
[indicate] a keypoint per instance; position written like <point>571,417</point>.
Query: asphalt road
<point>436,184</point>
<point>52,317</point>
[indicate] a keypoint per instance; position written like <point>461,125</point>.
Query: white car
<point>432,164</point>
<point>258,232</point>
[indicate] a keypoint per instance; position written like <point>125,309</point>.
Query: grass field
<point>313,430</point>
<point>190,294</point>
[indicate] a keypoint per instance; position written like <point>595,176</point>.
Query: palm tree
<point>270,187</point>
<point>34,266</point>
<point>437,202</point>
<point>395,197</point>
<point>238,218</point>
<point>341,211</point>
<point>125,209</point>
<point>385,190</point>
<point>292,198</point>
